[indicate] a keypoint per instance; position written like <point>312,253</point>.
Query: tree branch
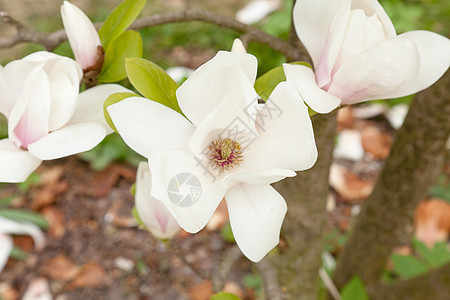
<point>51,40</point>
<point>414,163</point>
<point>269,275</point>
<point>220,276</point>
<point>303,230</point>
<point>432,285</point>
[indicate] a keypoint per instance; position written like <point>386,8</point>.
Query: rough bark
<point>414,163</point>
<point>432,285</point>
<point>306,195</point>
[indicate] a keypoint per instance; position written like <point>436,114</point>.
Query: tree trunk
<point>414,163</point>
<point>303,230</point>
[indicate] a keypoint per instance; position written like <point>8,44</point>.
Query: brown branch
<point>303,231</point>
<point>272,289</point>
<point>220,276</point>
<point>51,40</point>
<point>432,285</point>
<point>415,161</point>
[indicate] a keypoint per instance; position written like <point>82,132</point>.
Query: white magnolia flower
<point>47,118</point>
<point>358,56</point>
<point>229,147</point>
<point>82,35</point>
<point>155,216</point>
<point>7,227</point>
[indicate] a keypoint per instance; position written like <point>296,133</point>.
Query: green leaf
<point>436,256</point>
<point>224,296</point>
<point>152,82</point>
<point>227,233</point>
<point>128,44</point>
<point>24,216</point>
<point>265,84</point>
<point>18,253</point>
<point>354,290</point>
<point>119,20</point>
<point>114,98</point>
<point>408,266</point>
<point>7,200</point>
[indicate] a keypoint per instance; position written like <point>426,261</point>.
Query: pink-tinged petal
<point>362,33</point>
<point>146,125</point>
<point>17,164</point>
<point>256,177</point>
<point>28,119</point>
<point>8,226</point>
<point>183,185</point>
<point>82,35</point>
<point>256,215</point>
<point>69,140</point>
<point>7,98</point>
<point>303,79</point>
<point>228,120</point>
<point>238,46</point>
<point>320,25</point>
<point>373,7</point>
<point>434,52</point>
<point>7,245</point>
<point>153,213</point>
<point>286,136</point>
<point>89,105</point>
<point>377,72</point>
<point>223,75</point>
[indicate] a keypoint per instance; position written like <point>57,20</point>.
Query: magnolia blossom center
<point>224,154</point>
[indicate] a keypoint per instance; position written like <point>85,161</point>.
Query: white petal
<point>320,25</point>
<point>211,82</point>
<point>238,46</point>
<point>377,72</point>
<point>373,7</point>
<point>303,79</point>
<point>153,213</point>
<point>286,137</point>
<point>256,10</point>
<point>146,125</point>
<point>16,73</point>
<point>253,177</point>
<point>69,140</point>
<point>7,98</point>
<point>82,35</point>
<point>349,145</point>
<point>7,245</point>
<point>256,215</point>
<point>228,120</point>
<point>17,164</point>
<point>14,227</point>
<point>434,52</point>
<point>181,183</point>
<point>38,289</point>
<point>89,105</point>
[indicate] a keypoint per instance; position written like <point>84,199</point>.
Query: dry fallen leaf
<point>60,268</point>
<point>432,221</point>
<point>7,292</point>
<point>48,195</point>
<point>202,291</point>
<point>104,181</point>
<point>55,218</point>
<point>235,289</point>
<point>347,184</point>
<point>376,142</point>
<point>91,275</point>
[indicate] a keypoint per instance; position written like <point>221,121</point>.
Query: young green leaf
<point>128,44</point>
<point>224,296</point>
<point>354,289</point>
<point>265,84</point>
<point>24,216</point>
<point>152,82</point>
<point>119,20</point>
<point>408,266</point>
<point>114,98</point>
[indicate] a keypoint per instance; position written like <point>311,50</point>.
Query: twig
<point>170,246</point>
<point>271,287</point>
<point>220,276</point>
<point>52,40</point>
<point>329,284</point>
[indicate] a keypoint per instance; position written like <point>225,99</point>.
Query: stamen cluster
<point>225,153</point>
